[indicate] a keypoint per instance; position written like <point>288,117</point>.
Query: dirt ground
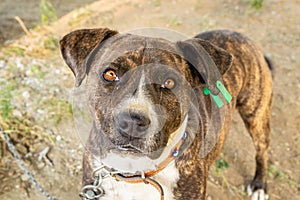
<point>30,13</point>
<point>275,27</point>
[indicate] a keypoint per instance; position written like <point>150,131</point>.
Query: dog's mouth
<point>129,149</point>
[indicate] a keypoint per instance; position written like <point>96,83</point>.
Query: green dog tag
<point>216,98</point>
<point>224,91</point>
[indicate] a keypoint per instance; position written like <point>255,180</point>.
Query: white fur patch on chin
<point>120,190</point>
<point>128,163</point>
<point>258,194</point>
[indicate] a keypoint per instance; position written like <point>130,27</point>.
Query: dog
<point>146,94</point>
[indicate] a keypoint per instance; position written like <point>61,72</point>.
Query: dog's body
<point>245,74</point>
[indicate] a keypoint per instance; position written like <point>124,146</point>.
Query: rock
<point>24,177</point>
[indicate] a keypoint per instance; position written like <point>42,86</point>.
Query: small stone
<point>11,172</point>
<point>7,188</point>
<point>26,95</point>
<point>40,111</point>
<point>17,113</point>
<point>28,72</point>
<point>40,165</point>
<point>2,63</point>
<point>24,177</point>
<point>243,188</point>
<point>58,138</point>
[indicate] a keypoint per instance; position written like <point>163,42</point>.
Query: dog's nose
<point>132,124</point>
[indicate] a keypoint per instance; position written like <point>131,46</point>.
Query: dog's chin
<point>129,150</point>
<point>129,159</point>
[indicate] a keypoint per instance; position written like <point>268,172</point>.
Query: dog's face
<point>140,89</point>
<point>139,97</point>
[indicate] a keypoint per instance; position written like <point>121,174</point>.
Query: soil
<point>275,27</point>
<point>30,13</point>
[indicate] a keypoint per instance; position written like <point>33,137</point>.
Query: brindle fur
<point>248,80</point>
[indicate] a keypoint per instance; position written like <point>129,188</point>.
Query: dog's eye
<point>110,76</point>
<point>169,84</point>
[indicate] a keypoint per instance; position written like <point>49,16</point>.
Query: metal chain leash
<point>21,164</point>
<point>95,190</point>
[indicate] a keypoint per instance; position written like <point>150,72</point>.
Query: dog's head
<point>141,89</point>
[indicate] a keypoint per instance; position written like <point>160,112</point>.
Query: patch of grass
<point>206,24</point>
<point>58,109</point>
<point>36,71</point>
<point>51,43</point>
<point>14,50</point>
<point>48,12</point>
<point>256,4</point>
<point>79,17</point>
<point>174,21</point>
<point>5,101</point>
<point>277,174</point>
<point>156,3</point>
<point>273,172</point>
<point>25,133</point>
<point>221,165</point>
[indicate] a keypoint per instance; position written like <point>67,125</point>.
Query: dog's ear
<point>210,61</point>
<point>77,45</point>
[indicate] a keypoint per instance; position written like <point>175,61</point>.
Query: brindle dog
<point>245,73</point>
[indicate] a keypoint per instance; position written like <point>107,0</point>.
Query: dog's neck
<point>167,179</point>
